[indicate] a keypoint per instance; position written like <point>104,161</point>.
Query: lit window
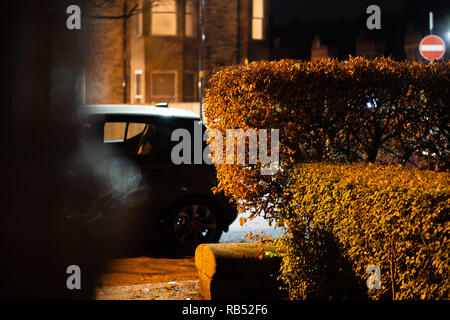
<point>138,84</point>
<point>190,25</point>
<point>258,20</point>
<point>138,21</point>
<point>163,84</point>
<point>164,18</point>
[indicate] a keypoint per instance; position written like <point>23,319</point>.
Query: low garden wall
<point>236,271</point>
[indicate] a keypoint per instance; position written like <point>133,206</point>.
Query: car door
<point>133,141</point>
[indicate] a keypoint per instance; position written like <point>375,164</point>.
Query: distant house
<point>412,41</point>
<point>370,47</point>
<point>367,46</point>
<point>319,50</point>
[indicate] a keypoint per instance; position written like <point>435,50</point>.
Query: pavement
<point>163,275</point>
<point>174,290</point>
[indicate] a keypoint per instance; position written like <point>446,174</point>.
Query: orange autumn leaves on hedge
<point>351,112</point>
<point>380,111</point>
<point>394,218</point>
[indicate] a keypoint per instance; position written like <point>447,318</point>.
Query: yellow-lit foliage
<point>355,110</point>
<point>344,217</point>
<point>395,218</point>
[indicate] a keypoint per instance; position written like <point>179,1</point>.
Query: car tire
<point>194,222</point>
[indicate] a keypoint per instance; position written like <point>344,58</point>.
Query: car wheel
<point>194,223</point>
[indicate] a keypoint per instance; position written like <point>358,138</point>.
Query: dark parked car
<point>137,188</point>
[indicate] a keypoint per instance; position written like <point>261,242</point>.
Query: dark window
<point>163,84</point>
<point>190,86</point>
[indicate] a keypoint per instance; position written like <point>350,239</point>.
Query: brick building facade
<point>166,43</point>
<point>153,56</point>
<point>107,49</point>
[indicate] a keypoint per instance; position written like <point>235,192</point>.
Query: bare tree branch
<point>98,5</point>
<point>134,11</point>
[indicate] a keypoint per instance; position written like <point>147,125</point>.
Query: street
<point>161,274</point>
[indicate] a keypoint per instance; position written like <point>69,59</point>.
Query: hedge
<point>370,116</point>
<point>379,110</point>
<point>365,214</point>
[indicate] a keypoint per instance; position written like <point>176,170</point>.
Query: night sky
<point>329,10</point>
<point>338,23</point>
<point>348,10</point>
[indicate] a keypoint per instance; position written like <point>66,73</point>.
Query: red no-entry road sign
<point>432,48</point>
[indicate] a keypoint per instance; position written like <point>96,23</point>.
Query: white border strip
<point>432,47</point>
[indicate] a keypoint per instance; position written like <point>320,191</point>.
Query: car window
<point>114,131</point>
<point>141,138</point>
<point>86,133</point>
<point>134,129</point>
<point>165,144</point>
<point>147,141</point>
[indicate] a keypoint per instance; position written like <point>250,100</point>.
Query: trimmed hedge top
<point>356,110</point>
